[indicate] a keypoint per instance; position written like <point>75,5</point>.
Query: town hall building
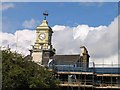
<point>73,71</point>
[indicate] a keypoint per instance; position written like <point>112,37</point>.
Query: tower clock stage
<point>42,49</point>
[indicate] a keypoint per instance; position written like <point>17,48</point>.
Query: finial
<point>45,14</point>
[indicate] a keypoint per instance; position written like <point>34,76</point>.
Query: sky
<point>60,1</point>
<point>68,14</point>
<point>92,24</point>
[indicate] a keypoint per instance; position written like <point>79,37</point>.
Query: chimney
<point>84,57</point>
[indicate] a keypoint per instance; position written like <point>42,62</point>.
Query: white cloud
<point>58,27</point>
<point>111,61</point>
<point>30,23</point>
<point>97,39</point>
<point>6,6</point>
<point>20,41</point>
<point>101,42</point>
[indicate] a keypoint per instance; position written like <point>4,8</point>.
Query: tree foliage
<point>20,73</point>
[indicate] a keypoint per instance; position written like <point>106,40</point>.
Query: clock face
<point>42,36</point>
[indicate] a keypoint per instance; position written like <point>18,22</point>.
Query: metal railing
<point>98,76</point>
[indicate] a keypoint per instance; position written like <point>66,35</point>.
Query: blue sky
<point>93,25</point>
<point>68,14</point>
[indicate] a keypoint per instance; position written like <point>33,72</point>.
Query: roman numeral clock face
<point>42,36</point>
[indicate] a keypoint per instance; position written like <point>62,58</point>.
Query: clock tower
<point>42,49</point>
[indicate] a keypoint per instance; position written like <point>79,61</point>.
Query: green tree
<point>20,73</point>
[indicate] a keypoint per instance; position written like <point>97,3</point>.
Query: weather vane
<point>45,14</point>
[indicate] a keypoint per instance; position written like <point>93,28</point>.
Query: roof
<point>98,70</point>
<point>66,59</point>
<point>44,25</point>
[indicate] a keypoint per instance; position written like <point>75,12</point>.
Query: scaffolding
<point>94,77</point>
